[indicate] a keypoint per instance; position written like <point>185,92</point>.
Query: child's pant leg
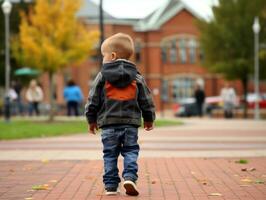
<point>130,152</point>
<point>111,150</point>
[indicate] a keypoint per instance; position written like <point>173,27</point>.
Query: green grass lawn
<point>18,129</point>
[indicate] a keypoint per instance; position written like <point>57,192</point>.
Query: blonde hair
<point>120,43</point>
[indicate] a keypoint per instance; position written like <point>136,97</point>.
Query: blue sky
<point>141,8</point>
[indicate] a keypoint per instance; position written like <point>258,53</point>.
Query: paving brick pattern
<point>159,179</point>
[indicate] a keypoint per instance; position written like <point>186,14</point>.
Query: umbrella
<point>26,71</point>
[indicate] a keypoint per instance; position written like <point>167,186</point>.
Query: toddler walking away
<point>117,99</point>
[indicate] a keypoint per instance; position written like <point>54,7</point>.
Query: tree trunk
<point>52,102</point>
<point>245,87</point>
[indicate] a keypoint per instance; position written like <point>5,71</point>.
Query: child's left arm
<point>146,103</point>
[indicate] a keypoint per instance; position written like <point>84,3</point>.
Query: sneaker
<point>131,188</point>
<point>111,191</point>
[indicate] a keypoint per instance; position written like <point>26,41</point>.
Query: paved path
<point>159,179</point>
<point>70,167</point>
<point>197,138</point>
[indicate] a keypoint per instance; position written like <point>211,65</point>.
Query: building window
<point>192,50</point>
<point>164,91</point>
<point>182,51</point>
<point>183,87</point>
<point>164,54</point>
<point>173,52</point>
<point>138,52</point>
<point>201,55</point>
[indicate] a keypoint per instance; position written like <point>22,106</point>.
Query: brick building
<point>167,53</point>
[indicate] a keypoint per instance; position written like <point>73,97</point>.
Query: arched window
<point>192,45</point>
<point>138,52</point>
<point>182,88</point>
<point>201,55</point>
<point>173,52</point>
<point>182,50</point>
<point>164,91</point>
<point>164,53</point>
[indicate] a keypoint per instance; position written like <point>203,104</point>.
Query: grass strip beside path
<point>19,129</point>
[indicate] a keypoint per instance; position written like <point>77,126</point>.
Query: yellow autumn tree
<point>51,37</point>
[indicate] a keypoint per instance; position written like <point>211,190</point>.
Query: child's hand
<point>148,126</point>
<point>92,128</point>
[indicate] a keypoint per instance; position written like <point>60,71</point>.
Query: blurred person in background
<point>199,95</point>
<point>73,97</point>
<point>13,96</point>
<point>34,95</point>
<point>228,97</point>
<point>18,105</point>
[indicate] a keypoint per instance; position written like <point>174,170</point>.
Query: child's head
<point>117,46</point>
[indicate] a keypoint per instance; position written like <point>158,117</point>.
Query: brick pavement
<point>73,171</point>
<point>159,179</point>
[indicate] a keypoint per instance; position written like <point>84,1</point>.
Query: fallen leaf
<point>252,169</point>
<point>215,194</point>
<point>27,168</point>
<point>153,182</point>
<point>244,169</point>
<point>40,187</point>
<point>203,181</point>
<point>45,161</point>
<point>245,185</point>
<point>259,181</point>
<point>246,180</point>
<point>241,161</point>
<point>12,170</point>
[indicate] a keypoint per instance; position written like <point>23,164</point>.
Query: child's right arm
<point>94,102</point>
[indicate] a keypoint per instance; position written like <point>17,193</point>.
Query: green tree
<point>228,40</point>
<point>51,38</point>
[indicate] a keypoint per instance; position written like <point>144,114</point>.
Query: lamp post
<point>256,30</point>
<point>101,24</point>
<point>101,28</point>
<point>6,7</point>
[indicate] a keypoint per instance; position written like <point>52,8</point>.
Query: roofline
<point>153,24</point>
<point>111,21</point>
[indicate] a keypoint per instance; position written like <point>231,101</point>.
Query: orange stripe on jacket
<point>122,94</point>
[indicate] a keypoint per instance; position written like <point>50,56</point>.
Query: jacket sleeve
<point>145,100</point>
<point>94,100</point>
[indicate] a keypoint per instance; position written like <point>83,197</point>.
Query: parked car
<point>213,103</point>
<point>252,98</point>
<point>187,107</point>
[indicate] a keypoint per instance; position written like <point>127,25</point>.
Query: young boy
<point>117,99</point>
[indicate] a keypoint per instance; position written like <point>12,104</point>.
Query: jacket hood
<point>119,73</point>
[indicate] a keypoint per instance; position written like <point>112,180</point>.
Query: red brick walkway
<point>159,178</point>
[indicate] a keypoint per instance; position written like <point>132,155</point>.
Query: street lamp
<point>256,30</point>
<point>6,7</point>
<point>101,28</point>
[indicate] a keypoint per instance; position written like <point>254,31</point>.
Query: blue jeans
<point>120,139</point>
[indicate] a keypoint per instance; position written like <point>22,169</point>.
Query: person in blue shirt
<point>73,96</point>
